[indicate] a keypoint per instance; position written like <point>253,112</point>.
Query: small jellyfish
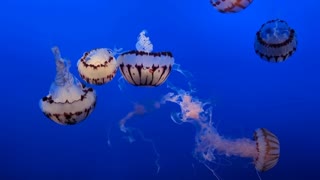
<point>142,67</point>
<point>275,41</point>
<point>68,101</point>
<point>230,6</point>
<point>97,66</point>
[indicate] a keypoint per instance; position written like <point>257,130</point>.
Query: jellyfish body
<point>230,6</point>
<point>268,147</point>
<point>264,149</point>
<point>97,66</point>
<point>275,41</point>
<point>68,101</point>
<point>142,67</point>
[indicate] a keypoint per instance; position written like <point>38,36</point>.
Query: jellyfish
<point>68,102</point>
<point>142,67</point>
<point>264,149</point>
<point>230,6</point>
<point>275,41</point>
<point>97,66</point>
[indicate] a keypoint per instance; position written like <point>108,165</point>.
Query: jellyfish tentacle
<point>144,43</point>
<point>264,149</point>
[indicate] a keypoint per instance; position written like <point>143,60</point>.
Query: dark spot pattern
<point>70,118</point>
<point>143,53</point>
<point>287,46</point>
<point>100,80</point>
<point>234,7</point>
<point>150,79</point>
<point>269,158</point>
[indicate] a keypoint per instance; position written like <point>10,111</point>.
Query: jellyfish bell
<point>275,41</point>
<point>142,67</point>
<point>97,66</point>
<point>68,101</point>
<point>230,6</point>
<point>268,150</point>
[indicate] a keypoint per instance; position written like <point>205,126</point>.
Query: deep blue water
<point>247,92</point>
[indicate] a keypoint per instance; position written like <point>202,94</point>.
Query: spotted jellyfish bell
<point>230,6</point>
<point>97,66</point>
<point>275,41</point>
<point>142,67</point>
<point>68,101</point>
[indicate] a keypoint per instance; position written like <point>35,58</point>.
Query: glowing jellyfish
<point>275,41</point>
<point>142,67</point>
<point>68,101</point>
<point>264,149</point>
<point>230,6</point>
<point>97,66</point>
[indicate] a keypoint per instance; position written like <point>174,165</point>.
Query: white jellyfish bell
<point>97,66</point>
<point>275,41</point>
<point>68,101</point>
<point>142,67</point>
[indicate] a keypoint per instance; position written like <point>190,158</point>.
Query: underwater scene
<point>168,90</point>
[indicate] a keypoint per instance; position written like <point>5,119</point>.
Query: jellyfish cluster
<point>70,101</point>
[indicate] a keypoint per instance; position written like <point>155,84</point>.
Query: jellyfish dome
<point>142,67</point>
<point>230,6</point>
<point>275,41</point>
<point>268,148</point>
<point>68,101</point>
<point>97,66</point>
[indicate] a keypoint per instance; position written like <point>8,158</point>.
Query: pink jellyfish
<point>264,149</point>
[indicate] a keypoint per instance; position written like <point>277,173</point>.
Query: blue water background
<point>247,92</point>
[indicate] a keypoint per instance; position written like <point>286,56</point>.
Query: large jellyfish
<point>230,6</point>
<point>68,101</point>
<point>142,67</point>
<point>97,66</point>
<point>275,41</point>
<point>264,149</point>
